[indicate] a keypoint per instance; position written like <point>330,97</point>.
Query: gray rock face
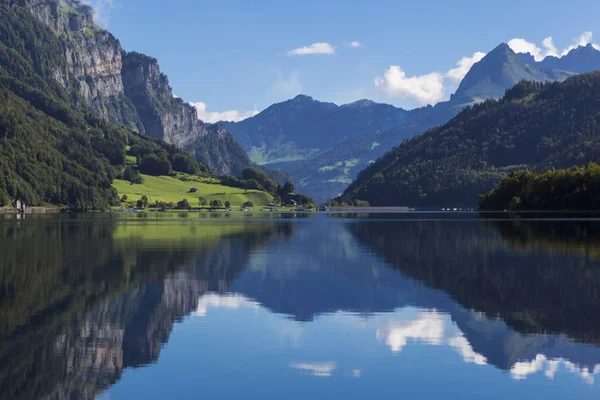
<point>162,115</point>
<point>128,88</point>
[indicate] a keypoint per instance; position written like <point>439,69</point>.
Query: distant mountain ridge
<point>579,60</point>
<point>302,127</point>
<point>323,146</point>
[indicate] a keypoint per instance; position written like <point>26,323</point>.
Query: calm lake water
<point>299,307</point>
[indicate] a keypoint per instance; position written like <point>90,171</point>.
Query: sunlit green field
<point>172,189</point>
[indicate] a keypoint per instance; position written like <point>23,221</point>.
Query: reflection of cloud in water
<point>429,327</point>
<point>462,345</point>
<point>523,369</point>
<point>287,330</point>
<point>316,369</point>
<point>214,300</point>
<point>408,325</point>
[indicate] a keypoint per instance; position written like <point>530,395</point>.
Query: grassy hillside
<point>173,189</point>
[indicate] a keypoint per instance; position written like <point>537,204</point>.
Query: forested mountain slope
<point>535,126</point>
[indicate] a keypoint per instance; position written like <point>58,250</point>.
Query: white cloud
<point>583,40</point>
<point>520,45</point>
<point>323,369</point>
<point>315,48</point>
<point>354,44</point>
<point>426,89</point>
<point>102,9</point>
<point>463,66</point>
<point>216,116</point>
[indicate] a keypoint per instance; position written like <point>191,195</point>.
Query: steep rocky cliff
<point>128,88</point>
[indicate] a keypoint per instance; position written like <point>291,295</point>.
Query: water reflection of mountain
<point>547,290</point>
<point>75,315</point>
<point>464,265</point>
<point>78,305</point>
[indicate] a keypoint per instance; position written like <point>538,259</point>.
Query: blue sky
<point>236,55</point>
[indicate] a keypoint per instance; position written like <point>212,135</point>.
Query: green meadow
<point>176,188</point>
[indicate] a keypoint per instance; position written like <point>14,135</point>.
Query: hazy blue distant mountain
<point>580,60</point>
<point>300,128</point>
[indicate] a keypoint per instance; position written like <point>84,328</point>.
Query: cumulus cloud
<point>323,369</point>
<point>216,116</point>
<point>520,45</point>
<point>429,88</point>
<point>426,89</point>
<point>315,48</point>
<point>463,66</point>
<point>354,44</point>
<point>102,10</point>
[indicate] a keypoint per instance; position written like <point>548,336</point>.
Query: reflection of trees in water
<point>77,306</point>
<point>578,238</point>
<point>535,292</point>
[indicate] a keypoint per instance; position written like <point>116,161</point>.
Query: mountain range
<point>323,146</point>
<point>55,46</point>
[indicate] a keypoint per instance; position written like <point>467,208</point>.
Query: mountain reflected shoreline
<point>81,302</point>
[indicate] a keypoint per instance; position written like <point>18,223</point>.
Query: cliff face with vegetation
<point>127,88</point>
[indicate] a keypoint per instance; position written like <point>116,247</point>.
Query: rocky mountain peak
<point>361,103</point>
<point>500,69</point>
<point>302,98</point>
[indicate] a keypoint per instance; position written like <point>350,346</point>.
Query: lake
<point>299,306</point>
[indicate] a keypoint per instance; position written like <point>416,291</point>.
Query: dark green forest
<point>536,126</point>
<point>51,152</point>
<point>576,188</point>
